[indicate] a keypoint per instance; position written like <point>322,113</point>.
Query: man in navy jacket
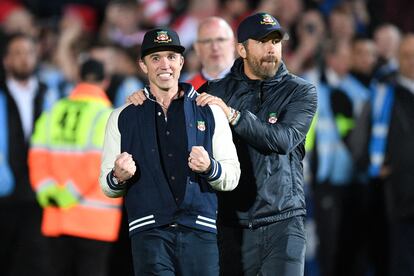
<point>261,222</point>
<point>168,157</point>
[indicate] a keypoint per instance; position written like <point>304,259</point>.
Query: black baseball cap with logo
<point>259,26</point>
<point>160,39</point>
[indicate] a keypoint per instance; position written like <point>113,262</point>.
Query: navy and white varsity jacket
<point>148,198</point>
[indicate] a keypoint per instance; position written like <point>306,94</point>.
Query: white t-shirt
<point>23,95</point>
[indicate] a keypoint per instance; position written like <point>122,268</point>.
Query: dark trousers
<point>402,248</point>
<point>23,249</point>
<point>179,250</point>
<point>120,260</point>
<point>275,249</point>
<point>72,256</point>
<point>351,228</point>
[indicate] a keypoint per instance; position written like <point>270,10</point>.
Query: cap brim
<point>175,48</point>
<point>281,33</point>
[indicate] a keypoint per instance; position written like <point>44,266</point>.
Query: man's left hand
<point>199,160</point>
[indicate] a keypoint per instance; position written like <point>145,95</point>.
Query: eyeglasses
<point>210,41</point>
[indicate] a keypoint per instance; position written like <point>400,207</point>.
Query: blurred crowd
<point>360,155</point>
<point>67,32</point>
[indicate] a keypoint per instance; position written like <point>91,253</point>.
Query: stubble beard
<point>21,75</point>
<point>261,70</point>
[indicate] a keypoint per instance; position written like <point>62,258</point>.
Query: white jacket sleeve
<point>111,149</point>
<point>225,167</point>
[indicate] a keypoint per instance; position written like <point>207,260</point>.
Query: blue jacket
<point>148,198</point>
<point>6,175</point>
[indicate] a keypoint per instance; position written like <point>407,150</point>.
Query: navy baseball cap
<point>160,39</point>
<point>258,26</point>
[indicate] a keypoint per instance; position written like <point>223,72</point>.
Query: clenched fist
<point>124,167</point>
<point>199,160</point>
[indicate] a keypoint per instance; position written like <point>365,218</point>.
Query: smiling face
<point>261,57</point>
<point>163,70</point>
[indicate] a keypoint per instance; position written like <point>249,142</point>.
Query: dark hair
<point>12,37</point>
<point>92,71</point>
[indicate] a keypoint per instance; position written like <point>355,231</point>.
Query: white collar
<point>221,75</point>
<point>29,89</point>
<point>23,96</point>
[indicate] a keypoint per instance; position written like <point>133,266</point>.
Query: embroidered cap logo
<point>267,20</point>
<point>162,37</point>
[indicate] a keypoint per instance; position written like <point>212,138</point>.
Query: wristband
<point>233,116</point>
<point>115,179</point>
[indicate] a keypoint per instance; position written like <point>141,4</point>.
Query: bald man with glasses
<point>215,47</point>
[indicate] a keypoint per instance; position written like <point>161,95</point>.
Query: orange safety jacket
<point>66,152</point>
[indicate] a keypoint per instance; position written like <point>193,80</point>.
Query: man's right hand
<point>137,98</point>
<point>124,167</point>
<point>205,99</point>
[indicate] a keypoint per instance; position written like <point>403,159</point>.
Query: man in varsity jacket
<point>167,157</point>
